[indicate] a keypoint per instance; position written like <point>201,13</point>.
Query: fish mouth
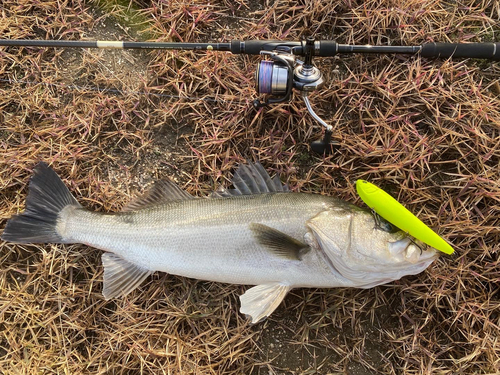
<point>423,264</point>
<point>409,250</point>
<point>431,258</point>
<point>428,254</point>
<point>424,261</point>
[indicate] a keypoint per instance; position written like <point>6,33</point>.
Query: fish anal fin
<point>161,191</point>
<point>278,242</point>
<point>120,276</point>
<point>260,301</point>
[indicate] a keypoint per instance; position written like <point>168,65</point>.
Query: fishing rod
<point>283,71</point>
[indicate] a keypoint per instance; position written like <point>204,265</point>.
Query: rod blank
<point>114,44</point>
<point>326,48</point>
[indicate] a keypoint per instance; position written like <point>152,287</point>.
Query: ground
<point>112,122</point>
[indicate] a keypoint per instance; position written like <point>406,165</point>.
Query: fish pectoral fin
<point>260,301</point>
<point>278,242</point>
<point>120,276</point>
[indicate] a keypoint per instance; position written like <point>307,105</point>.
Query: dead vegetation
<point>111,122</point>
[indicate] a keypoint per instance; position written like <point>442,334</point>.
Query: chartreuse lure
<point>394,212</point>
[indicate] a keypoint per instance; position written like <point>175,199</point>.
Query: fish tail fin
<point>47,197</point>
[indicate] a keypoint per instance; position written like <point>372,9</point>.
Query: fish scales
<point>208,238</point>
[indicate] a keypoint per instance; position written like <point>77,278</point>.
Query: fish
<point>259,233</point>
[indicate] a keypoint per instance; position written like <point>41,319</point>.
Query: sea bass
<point>258,233</point>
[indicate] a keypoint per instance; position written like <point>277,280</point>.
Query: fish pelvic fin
<point>260,301</point>
<point>277,242</point>
<point>47,197</point>
<point>120,276</point>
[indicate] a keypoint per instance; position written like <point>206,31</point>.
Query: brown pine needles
<point>111,122</point>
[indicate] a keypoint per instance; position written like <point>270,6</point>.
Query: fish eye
<point>382,224</point>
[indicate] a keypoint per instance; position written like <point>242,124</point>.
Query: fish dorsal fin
<point>278,242</point>
<point>120,276</point>
<point>161,191</point>
<point>252,178</point>
<point>260,301</point>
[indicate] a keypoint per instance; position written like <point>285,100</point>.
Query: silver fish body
<point>211,239</point>
<point>257,234</point>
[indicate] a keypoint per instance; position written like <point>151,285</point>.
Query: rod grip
<point>327,48</point>
<point>253,47</point>
<point>471,50</point>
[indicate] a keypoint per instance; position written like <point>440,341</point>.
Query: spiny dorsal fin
<point>252,178</point>
<point>260,301</point>
<point>161,191</point>
<point>223,193</point>
<point>278,242</point>
<point>120,276</point>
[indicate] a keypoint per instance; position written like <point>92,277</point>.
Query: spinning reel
<point>284,72</point>
<point>281,74</point>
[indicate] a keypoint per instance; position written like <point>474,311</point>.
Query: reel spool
<point>271,78</point>
<point>274,78</point>
<point>278,77</point>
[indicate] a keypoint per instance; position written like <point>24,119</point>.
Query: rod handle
<point>254,47</point>
<point>471,50</point>
<point>327,48</point>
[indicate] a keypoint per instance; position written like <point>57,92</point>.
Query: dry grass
<point>427,131</point>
